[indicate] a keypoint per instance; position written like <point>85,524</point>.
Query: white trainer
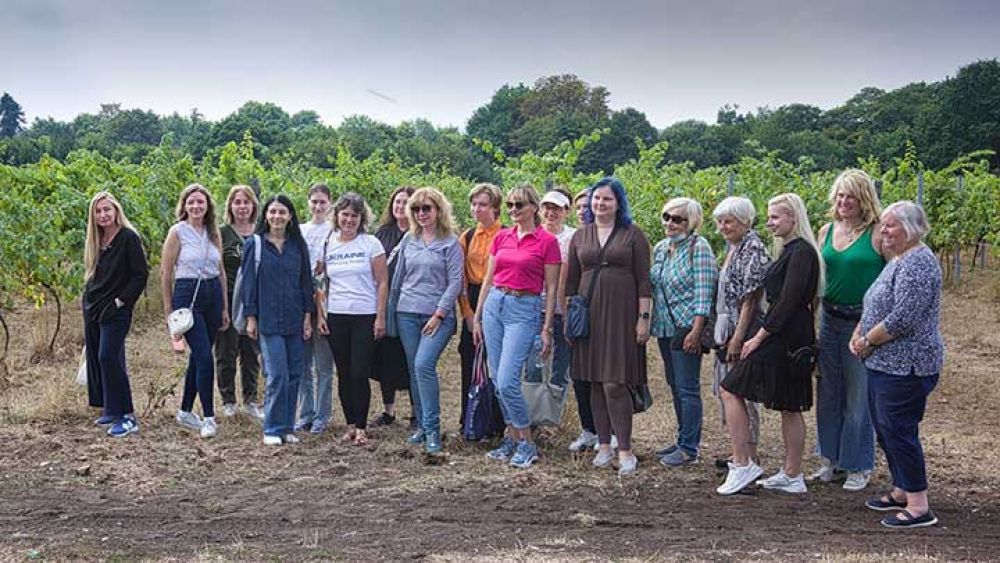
<point>782,482</point>
<point>272,440</point>
<point>188,420</point>
<point>739,477</point>
<point>857,480</point>
<point>585,440</point>
<point>614,443</point>
<point>291,439</point>
<point>603,458</point>
<point>827,473</point>
<point>229,409</point>
<point>208,427</point>
<point>254,410</point>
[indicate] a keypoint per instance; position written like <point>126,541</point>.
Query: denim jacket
<point>281,292</point>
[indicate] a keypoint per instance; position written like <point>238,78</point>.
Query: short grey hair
<point>912,218</point>
<point>692,210</point>
<point>740,208</point>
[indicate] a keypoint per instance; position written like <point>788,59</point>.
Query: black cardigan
<point>121,273</point>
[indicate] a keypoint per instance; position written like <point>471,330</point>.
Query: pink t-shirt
<point>520,264</point>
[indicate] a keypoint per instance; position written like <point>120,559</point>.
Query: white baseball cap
<point>556,198</point>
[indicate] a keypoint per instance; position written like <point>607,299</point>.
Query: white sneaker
<point>614,443</point>
<point>739,477</point>
<point>827,473</point>
<point>254,410</point>
<point>628,466</point>
<point>782,482</point>
<point>208,427</point>
<point>229,409</point>
<point>272,440</point>
<point>290,439</point>
<point>857,480</point>
<point>603,458</point>
<point>188,420</point>
<point>585,440</point>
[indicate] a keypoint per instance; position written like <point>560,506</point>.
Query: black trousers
<point>353,342</point>
<point>107,375</point>
<point>231,346</point>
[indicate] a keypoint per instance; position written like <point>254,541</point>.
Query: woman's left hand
<point>546,344</point>
<point>692,342</point>
<point>379,328</point>
<point>642,331</point>
<point>225,321</point>
<point>432,325</point>
<point>749,347</point>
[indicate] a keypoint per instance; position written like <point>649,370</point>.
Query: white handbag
<point>181,320</point>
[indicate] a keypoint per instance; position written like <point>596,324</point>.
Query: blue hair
<point>623,217</point>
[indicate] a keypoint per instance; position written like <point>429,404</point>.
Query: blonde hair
<point>92,244</point>
<point>445,219</point>
<point>802,229</point>
<point>210,226</point>
<point>492,192</point>
<point>527,194</point>
<point>856,183</point>
<point>692,209</point>
<point>247,191</point>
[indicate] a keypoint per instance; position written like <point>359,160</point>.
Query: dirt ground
<point>69,492</point>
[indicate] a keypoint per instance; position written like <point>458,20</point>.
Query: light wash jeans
<point>683,373</point>
<point>284,359</point>
<point>560,357</point>
<point>316,387</point>
<point>510,325</point>
<point>843,424</point>
<point>422,354</point>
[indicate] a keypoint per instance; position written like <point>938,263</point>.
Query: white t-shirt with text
<point>352,283</point>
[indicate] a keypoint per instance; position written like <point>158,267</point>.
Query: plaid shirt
<point>683,284</point>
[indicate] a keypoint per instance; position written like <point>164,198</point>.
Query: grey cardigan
<point>906,297</point>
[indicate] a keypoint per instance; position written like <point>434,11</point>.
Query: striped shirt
<point>683,284</point>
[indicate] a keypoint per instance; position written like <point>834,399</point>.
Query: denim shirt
<point>906,299</point>
<point>281,292</point>
<point>683,284</point>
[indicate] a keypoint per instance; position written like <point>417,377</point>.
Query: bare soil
<point>69,492</point>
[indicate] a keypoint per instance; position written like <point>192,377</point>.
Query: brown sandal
<point>349,435</point>
<point>360,439</point>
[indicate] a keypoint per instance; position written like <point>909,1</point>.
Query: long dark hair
<point>294,232</point>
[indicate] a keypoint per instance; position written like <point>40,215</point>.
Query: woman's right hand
<point>734,349</point>
<point>477,331</point>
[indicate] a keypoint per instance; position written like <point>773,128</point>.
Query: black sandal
<point>885,503</point>
<point>909,520</point>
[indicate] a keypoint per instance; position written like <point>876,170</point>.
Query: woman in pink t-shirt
<point>524,260</point>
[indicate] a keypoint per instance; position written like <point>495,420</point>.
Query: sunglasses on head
<point>425,208</point>
<point>675,219</point>
<point>515,205</point>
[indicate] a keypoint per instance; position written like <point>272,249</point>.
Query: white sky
<point>440,60</point>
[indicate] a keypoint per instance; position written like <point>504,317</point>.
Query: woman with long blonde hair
<point>116,274</point>
<point>192,275</point>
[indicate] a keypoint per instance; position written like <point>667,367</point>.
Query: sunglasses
<point>425,208</point>
<point>518,205</point>
<point>675,219</point>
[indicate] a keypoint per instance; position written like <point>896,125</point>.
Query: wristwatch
<point>644,315</point>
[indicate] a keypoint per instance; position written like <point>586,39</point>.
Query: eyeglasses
<point>425,208</point>
<point>518,205</point>
<point>675,219</point>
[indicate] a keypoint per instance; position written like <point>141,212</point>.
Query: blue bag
<point>479,421</point>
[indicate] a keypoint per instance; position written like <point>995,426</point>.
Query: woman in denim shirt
<point>683,275</point>
<point>278,303</point>
<point>900,341</point>
<point>424,293</point>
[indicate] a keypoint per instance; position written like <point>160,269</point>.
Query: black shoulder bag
<point>578,308</point>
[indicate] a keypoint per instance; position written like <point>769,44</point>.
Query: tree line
<point>939,121</point>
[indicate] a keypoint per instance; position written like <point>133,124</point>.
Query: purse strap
<point>197,284</point>
<point>601,263</point>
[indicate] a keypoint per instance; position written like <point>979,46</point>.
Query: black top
<point>232,255</point>
<point>790,286</point>
<point>121,273</point>
<point>390,236</point>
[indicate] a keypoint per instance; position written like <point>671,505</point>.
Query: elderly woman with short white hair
<point>683,276</point>
<point>738,301</point>
<point>900,341</point>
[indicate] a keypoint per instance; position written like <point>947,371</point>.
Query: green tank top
<point>849,272</point>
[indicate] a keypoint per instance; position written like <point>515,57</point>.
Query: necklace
<point>853,232</point>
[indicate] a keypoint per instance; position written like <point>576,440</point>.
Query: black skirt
<point>775,376</point>
<point>389,366</point>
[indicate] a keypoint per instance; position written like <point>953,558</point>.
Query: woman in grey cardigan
<point>900,342</point>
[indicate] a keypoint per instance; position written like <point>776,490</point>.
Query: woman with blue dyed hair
<point>613,255</point>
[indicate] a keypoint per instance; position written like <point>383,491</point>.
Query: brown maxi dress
<point>610,354</point>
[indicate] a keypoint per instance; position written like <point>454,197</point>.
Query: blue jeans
<point>422,354</point>
<point>510,325</point>
<point>316,386</point>
<point>897,404</point>
<point>683,373</point>
<point>560,357</point>
<point>843,425</point>
<point>284,360</point>
<point>199,380</point>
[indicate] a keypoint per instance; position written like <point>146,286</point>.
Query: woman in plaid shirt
<point>683,276</point>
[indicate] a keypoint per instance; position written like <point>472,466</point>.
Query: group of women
<point>386,306</point>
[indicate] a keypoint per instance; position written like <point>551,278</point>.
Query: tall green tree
<point>497,120</point>
<point>11,116</point>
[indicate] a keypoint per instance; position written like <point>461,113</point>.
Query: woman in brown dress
<point>613,357</point>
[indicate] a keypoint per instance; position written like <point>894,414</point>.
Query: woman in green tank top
<point>852,253</point>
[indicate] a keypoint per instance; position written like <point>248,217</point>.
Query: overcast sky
<point>396,60</point>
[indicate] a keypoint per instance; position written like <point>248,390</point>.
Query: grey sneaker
<point>782,482</point>
<point>254,411</point>
<point>628,466</point>
<point>229,409</point>
<point>318,427</point>
<point>677,457</point>
<point>857,480</point>
<point>525,455</point>
<point>504,451</point>
<point>188,420</point>
<point>585,440</point>
<point>208,427</point>
<point>603,458</point>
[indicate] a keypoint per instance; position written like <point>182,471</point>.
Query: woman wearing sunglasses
<point>683,275</point>
<point>425,287</point>
<point>523,261</point>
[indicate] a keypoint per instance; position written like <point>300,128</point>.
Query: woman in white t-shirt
<point>354,306</point>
